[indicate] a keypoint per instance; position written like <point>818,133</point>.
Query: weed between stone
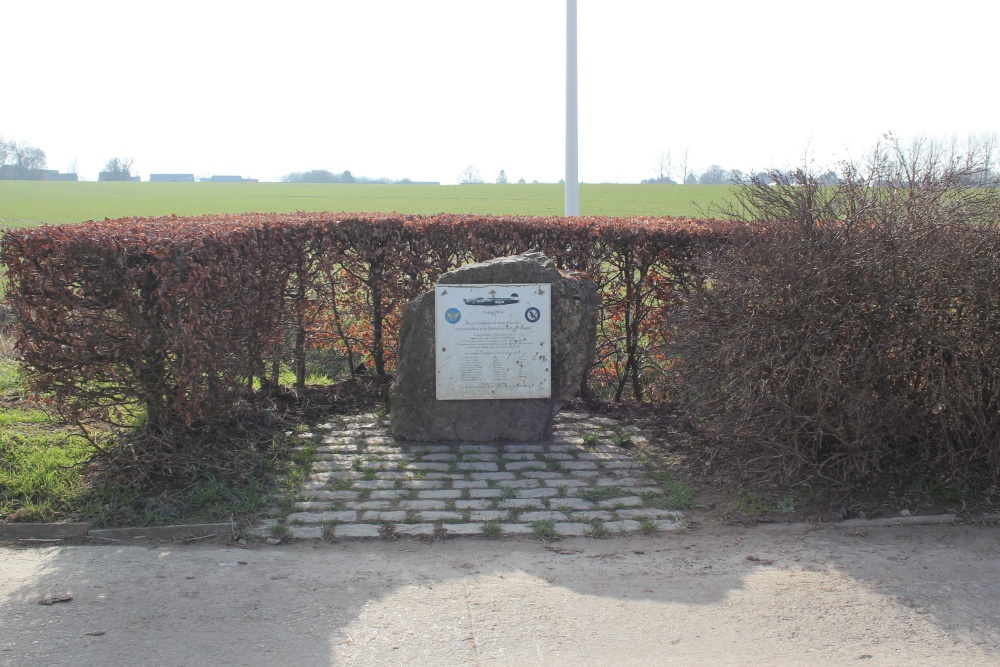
<point>545,529</point>
<point>492,530</point>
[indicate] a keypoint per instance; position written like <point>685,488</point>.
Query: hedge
<point>183,317</point>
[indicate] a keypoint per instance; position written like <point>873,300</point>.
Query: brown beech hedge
<point>176,320</point>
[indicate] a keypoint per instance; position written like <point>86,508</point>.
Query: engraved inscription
<point>493,341</point>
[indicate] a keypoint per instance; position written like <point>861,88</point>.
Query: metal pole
<point>572,131</point>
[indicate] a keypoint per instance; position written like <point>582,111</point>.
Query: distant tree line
<point>324,176</point>
<point>318,176</point>
<point>117,169</point>
<point>18,158</point>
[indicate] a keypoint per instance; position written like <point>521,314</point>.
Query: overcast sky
<point>421,89</point>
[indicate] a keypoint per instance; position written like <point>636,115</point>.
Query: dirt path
<point>779,595</point>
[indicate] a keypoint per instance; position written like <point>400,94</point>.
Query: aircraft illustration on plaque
<point>492,300</point>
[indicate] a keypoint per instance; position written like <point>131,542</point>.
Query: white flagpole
<point>572,132</point>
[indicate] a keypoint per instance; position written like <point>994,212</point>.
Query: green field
<point>24,203</point>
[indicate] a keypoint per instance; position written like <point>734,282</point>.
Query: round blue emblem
<point>532,314</point>
<point>452,315</point>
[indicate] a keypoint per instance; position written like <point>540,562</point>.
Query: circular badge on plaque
<point>532,314</point>
<point>452,315</point>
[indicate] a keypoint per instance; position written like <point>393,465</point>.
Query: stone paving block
<point>328,426</point>
<point>654,490</point>
<point>479,456</point>
<point>579,465</point>
<point>539,474</point>
<point>603,421</point>
<point>601,456</point>
<point>585,473</point>
<point>359,530</point>
<point>334,476</point>
<point>479,449</point>
<point>384,516</point>
<point>521,484</point>
<point>306,532</point>
<point>428,466</point>
<point>569,439</point>
<point>526,465</point>
<point>619,465</point>
<point>439,516</point>
<point>559,456</point>
<point>463,484</point>
<point>314,486</point>
<point>495,476</point>
<point>662,515</point>
<point>478,466</point>
<point>321,517</point>
<point>534,449</point>
<point>330,461</point>
<point>423,484</point>
<point>370,505</point>
<point>463,528</point>
<point>336,449</point>
<point>540,516</point>
<point>522,503</point>
<point>332,495</point>
<point>392,475</point>
<point>472,504</point>
<point>568,484</point>
<point>413,529</point>
<point>569,416</point>
<point>422,505</point>
<point>573,529</point>
<point>385,454</point>
<point>382,440</point>
<point>515,456</point>
<point>591,516</point>
<point>570,504</point>
<point>415,449</point>
<point>485,493</point>
<point>627,526</point>
<point>606,482</point>
<point>313,506</point>
<point>517,529</point>
<point>439,458</point>
<point>624,472</point>
<point>375,484</point>
<point>383,494</point>
<point>439,494</point>
<point>625,501</point>
<point>564,449</point>
<point>545,492</point>
<point>488,515</point>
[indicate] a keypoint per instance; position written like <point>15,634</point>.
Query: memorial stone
<point>492,351</point>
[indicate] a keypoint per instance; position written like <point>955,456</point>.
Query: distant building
<point>115,176</point>
<point>171,178</point>
<point>9,172</point>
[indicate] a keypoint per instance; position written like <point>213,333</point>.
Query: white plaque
<point>493,341</point>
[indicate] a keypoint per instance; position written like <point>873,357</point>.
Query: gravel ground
<point>720,595</point>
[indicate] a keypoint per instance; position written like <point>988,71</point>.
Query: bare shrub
<point>6,331</point>
<point>850,330</point>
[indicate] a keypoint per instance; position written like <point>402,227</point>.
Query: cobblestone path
<point>583,481</point>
